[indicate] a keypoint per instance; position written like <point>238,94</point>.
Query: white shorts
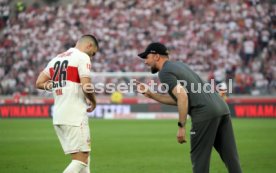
<point>74,139</point>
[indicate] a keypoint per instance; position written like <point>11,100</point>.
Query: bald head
<point>88,44</point>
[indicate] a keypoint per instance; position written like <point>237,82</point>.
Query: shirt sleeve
<point>84,67</point>
<point>46,70</point>
<point>170,81</point>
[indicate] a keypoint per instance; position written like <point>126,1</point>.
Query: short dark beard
<point>154,70</point>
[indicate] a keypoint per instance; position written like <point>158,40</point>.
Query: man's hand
<point>44,82</point>
<point>143,88</point>
<point>91,106</point>
<point>181,135</point>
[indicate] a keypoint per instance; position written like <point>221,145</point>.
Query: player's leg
<point>76,166</point>
<point>202,140</point>
<point>226,146</point>
<point>80,156</point>
<point>67,137</point>
<point>87,168</point>
<point>75,140</point>
<point>85,145</point>
<point>80,163</point>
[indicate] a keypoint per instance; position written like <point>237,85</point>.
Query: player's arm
<point>44,82</point>
<point>84,69</point>
<point>88,90</point>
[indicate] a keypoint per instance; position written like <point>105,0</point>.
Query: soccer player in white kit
<point>68,76</point>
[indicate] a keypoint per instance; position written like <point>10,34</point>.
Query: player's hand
<point>91,106</point>
<point>143,88</point>
<point>181,135</point>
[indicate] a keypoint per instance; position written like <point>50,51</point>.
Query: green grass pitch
<point>129,146</point>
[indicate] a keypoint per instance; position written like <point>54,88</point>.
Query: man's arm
<point>88,91</point>
<point>182,104</point>
<point>44,82</point>
<point>177,90</point>
<point>165,99</point>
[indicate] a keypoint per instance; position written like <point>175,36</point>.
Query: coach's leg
<point>226,146</point>
<point>202,140</point>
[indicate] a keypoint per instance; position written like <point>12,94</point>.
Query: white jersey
<point>65,70</point>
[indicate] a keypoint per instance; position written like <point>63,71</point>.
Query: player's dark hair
<point>93,38</point>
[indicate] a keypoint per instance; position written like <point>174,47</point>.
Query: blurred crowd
<point>221,40</point>
<point>4,12</point>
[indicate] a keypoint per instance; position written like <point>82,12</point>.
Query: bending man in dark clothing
<point>211,123</point>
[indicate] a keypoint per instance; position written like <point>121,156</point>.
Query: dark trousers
<point>217,133</point>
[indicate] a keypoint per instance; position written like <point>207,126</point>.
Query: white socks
<point>87,168</point>
<point>75,166</point>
